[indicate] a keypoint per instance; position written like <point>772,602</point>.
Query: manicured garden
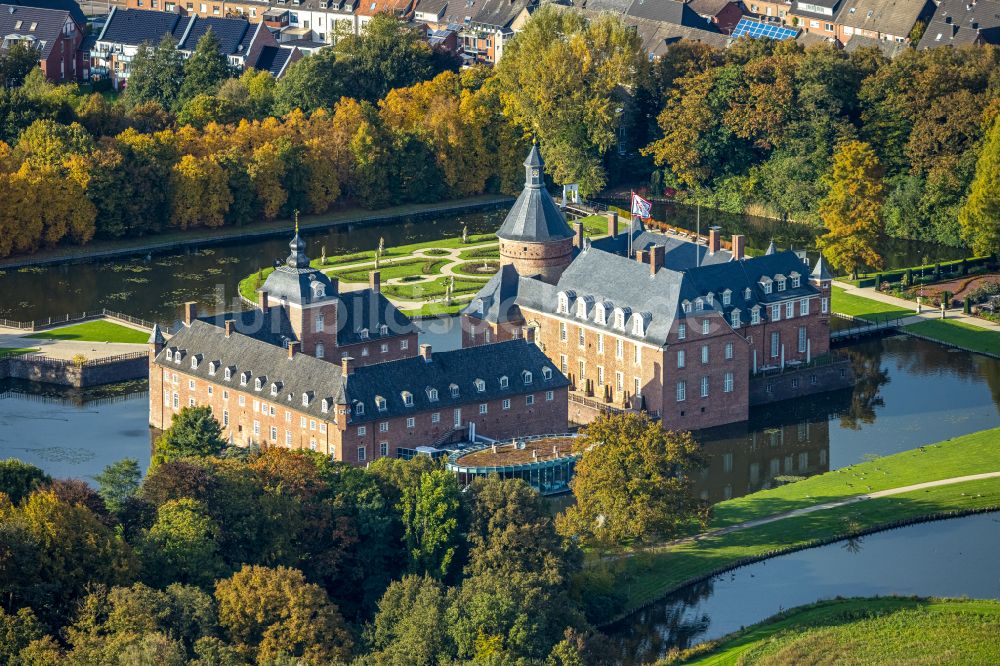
<point>396,269</point>
<point>880,630</point>
<point>864,308</point>
<point>958,333</point>
<point>99,330</point>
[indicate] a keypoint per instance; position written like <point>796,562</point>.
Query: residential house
<point>489,24</point>
<point>55,34</point>
<point>815,16</point>
<point>884,20</point>
<point>958,22</point>
<point>368,9</point>
<point>723,14</point>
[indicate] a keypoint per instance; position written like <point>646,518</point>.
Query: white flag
<point>641,207</point>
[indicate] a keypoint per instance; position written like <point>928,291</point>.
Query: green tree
<point>634,482</point>
<point>312,83</point>
<point>182,545</point>
<point>119,482</point>
<point>17,630</point>
<point>431,512</point>
<point>203,109</point>
<point>980,216</point>
<point>155,75</point>
<point>410,626</point>
<point>852,209</point>
<point>274,613</point>
<point>560,80</point>
<point>16,61</point>
<point>193,432</point>
<point>18,479</point>
<point>205,70</point>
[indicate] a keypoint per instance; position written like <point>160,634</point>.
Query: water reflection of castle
<point>750,456</point>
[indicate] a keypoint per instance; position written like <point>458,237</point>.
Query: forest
<point>383,119</point>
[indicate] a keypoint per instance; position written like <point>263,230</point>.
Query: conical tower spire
<point>534,177</point>
<point>771,248</point>
<point>297,258</point>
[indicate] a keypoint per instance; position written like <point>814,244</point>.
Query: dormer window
<point>699,304</point>
<point>755,315</point>
<point>583,307</point>
<point>359,408</point>
<point>325,405</point>
<point>504,383</point>
<point>780,279</point>
<point>407,398</point>
<point>228,374</point>
<point>213,367</point>
<point>526,375</point>
<point>477,307</point>
<point>601,314</point>
<point>258,384</point>
<point>178,355</point>
<point>620,318</point>
<point>796,280</point>
<point>480,385</point>
<point>318,290</point>
<point>710,299</point>
<point>454,390</point>
<point>734,318</point>
<point>686,306</point>
<point>765,283</point>
<point>274,388</point>
<point>432,394</point>
<point>244,378</point>
<point>383,330</point>
<point>305,399</point>
<point>170,354</point>
<point>546,374</point>
<point>363,333</point>
<point>195,360</point>
<point>380,403</point>
<point>747,294</point>
<point>562,306</point>
<point>727,297</point>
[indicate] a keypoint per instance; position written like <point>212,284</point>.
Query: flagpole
<point>697,239</point>
<point>631,220</point>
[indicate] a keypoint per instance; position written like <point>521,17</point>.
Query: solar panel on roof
<point>757,29</point>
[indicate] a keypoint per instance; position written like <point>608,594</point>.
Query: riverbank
<point>200,237</point>
<point>863,630</point>
<point>742,534</point>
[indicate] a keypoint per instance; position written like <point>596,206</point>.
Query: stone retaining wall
<point>39,368</point>
<point>800,382</point>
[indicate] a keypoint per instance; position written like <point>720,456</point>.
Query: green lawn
<point>858,306</point>
<point>474,267</point>
<point>431,309</point>
<point>881,630</point>
<point>17,350</point>
<point>397,269</point>
<point>958,333</point>
<point>432,289</point>
<point>594,226</point>
<point>961,456</point>
<point>491,252</point>
<point>650,575</point>
<point>95,331</point>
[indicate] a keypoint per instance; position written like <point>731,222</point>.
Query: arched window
<point>274,388</point>
<point>620,318</point>
<point>170,354</point>
<point>747,294</point>
<point>686,306</point>
<point>359,408</point>
<point>710,299</point>
<point>258,384</point>
<point>727,297</point>
<point>383,330</point>
<point>228,374</point>
<point>325,405</point>
<point>735,318</point>
<point>454,390</point>
<point>546,373</point>
<point>699,304</point>
<point>244,378</point>
<point>320,350</point>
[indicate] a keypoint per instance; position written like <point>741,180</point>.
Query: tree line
<point>229,557</point>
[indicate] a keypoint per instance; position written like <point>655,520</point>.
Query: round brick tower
<point>535,238</point>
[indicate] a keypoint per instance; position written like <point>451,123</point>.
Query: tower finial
<point>296,221</point>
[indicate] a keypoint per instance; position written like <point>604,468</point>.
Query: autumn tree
<point>980,216</point>
<point>852,209</point>
<point>634,482</point>
<point>272,614</point>
<point>182,546</point>
<point>18,479</point>
<point>193,432</point>
<point>431,515</point>
<point>199,192</point>
<point>559,81</point>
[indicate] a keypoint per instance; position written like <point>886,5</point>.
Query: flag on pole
<point>641,207</point>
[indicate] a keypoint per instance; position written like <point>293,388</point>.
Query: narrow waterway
<point>948,558</point>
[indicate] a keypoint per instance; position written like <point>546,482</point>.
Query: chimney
<point>190,312</point>
<point>229,327</point>
<point>714,240</point>
<point>293,349</point>
<point>656,259</point>
<point>578,234</point>
<point>739,246</point>
<point>613,224</point>
<point>346,366</point>
<point>529,334</point>
<point>375,281</point>
<point>642,256</point>
<point>334,285</point>
<point>425,353</point>
<point>262,301</point>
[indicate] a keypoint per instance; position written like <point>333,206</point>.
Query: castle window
<point>682,330</point>
<point>380,403</point>
<point>359,409</point>
<point>601,314</point>
<point>258,384</point>
<point>228,374</point>
<point>194,361</point>
<point>765,283</point>
<point>546,374</point>
<point>325,405</point>
<point>699,304</point>
<point>686,306</point>
<point>527,377</point>
<point>734,318</point>
<point>755,315</point>
<point>620,318</point>
<point>747,294</point>
<point>432,394</point>
<point>170,355</point>
<point>454,390</point>
<point>305,399</point>
<point>710,299</point>
<point>781,282</point>
<point>583,307</point>
<point>213,367</point>
<point>407,398</point>
<point>796,280</point>
<point>504,382</point>
<point>319,323</point>
<point>638,325</point>
<point>320,350</point>
<point>704,326</point>
<point>274,388</point>
<point>480,385</point>
<point>727,297</point>
<point>383,330</point>
<point>363,333</point>
<point>562,307</point>
<point>244,378</point>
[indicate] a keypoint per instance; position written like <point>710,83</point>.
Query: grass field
<point>647,576</point>
<point>17,350</point>
<point>397,269</point>
<point>95,331</point>
<point>958,333</point>
<point>490,252</point>
<point>865,308</point>
<point>431,309</point>
<point>961,456</point>
<point>881,630</point>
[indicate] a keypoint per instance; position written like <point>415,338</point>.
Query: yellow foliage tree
<point>266,169</point>
<point>200,193</point>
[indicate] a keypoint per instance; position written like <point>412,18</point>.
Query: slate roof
<point>534,217</point>
<point>272,327</point>
<point>613,6</point>
<point>890,49</point>
<point>821,271</point>
<point>461,367</point>
<point>497,300</point>
<point>669,11</point>
<point>273,59</point>
<point>497,13</point>
<point>708,7</point>
<point>48,25</point>
<point>657,36</point>
<point>678,254</point>
<point>890,17</point>
<point>366,309</point>
<point>70,6</point>
<point>137,26</point>
<point>434,7</point>
<point>242,353</point>
<point>229,31</point>
<point>969,24</point>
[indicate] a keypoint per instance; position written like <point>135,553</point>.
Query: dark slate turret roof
<point>771,248</point>
<point>156,335</point>
<point>294,281</point>
<point>535,217</point>
<point>820,271</point>
<point>678,253</point>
